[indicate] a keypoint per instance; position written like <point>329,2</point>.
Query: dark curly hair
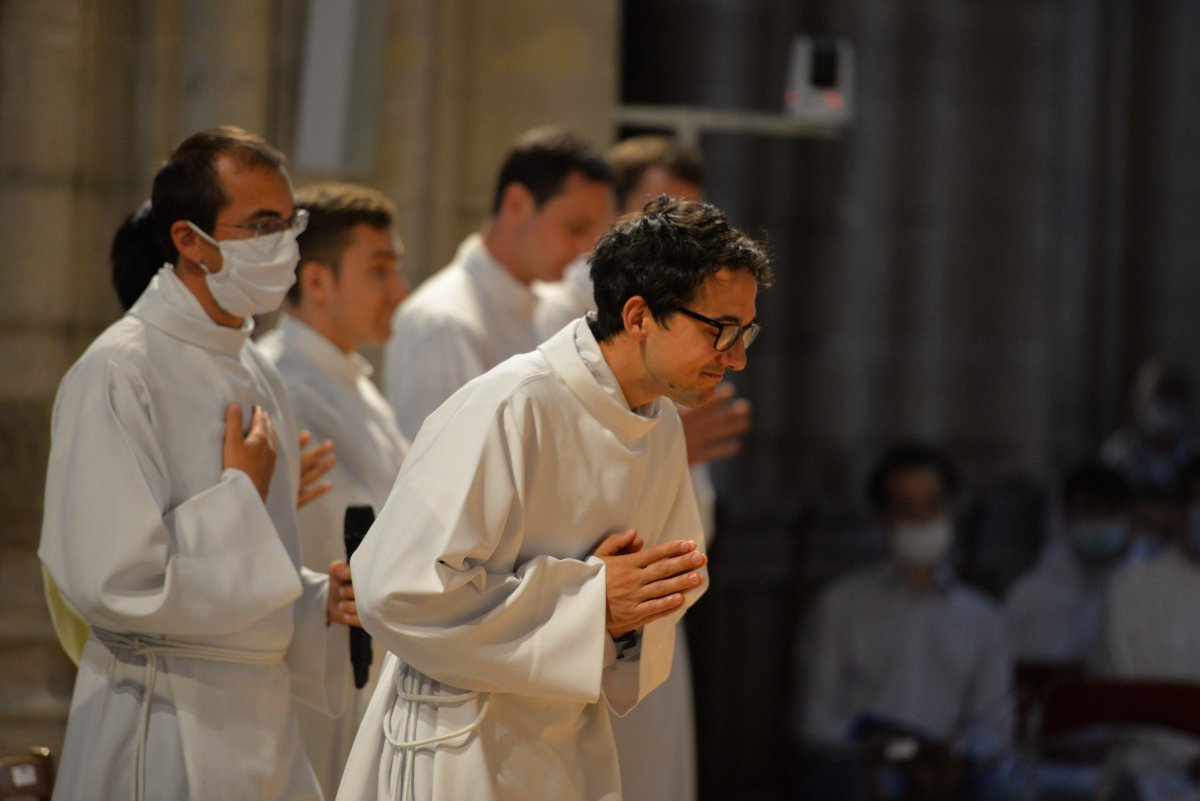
<point>663,255</point>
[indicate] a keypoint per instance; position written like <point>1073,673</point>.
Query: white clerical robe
<point>164,552</point>
<point>1151,627</point>
<point>332,396</point>
<point>653,767</point>
<point>478,576</point>
<point>459,324</point>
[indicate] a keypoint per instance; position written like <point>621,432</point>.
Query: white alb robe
<point>332,396</point>
<point>478,576</point>
<point>459,324</point>
<point>653,767</point>
<point>146,535</point>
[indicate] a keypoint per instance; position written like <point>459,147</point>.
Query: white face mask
<point>256,273</point>
<point>1098,541</point>
<point>922,545</point>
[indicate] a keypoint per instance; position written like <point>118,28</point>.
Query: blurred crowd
<point>1026,642</point>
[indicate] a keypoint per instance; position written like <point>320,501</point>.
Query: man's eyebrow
<point>261,213</point>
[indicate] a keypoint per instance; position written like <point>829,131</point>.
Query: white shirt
<point>1151,625</point>
<point>459,324</point>
<point>332,396</point>
<point>1053,613</point>
<point>145,534</point>
<point>934,660</point>
<point>478,575</point>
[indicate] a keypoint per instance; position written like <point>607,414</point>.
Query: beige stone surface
<point>95,93</point>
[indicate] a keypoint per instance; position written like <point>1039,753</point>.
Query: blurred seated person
<point>903,662</point>
<point>1054,611</point>
<point>1151,627</point>
<point>1151,449</point>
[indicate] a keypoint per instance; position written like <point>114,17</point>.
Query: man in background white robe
<point>173,534</point>
<point>656,768</point>
<point>347,286</point>
<point>553,199</point>
<point>542,536</point>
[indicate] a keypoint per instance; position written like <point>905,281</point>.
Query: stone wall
<point>94,93</point>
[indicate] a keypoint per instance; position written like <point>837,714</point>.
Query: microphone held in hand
<point>357,522</point>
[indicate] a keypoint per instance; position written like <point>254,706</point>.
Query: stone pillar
<point>464,79</point>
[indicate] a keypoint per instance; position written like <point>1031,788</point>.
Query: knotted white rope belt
<point>406,680</point>
<point>150,649</point>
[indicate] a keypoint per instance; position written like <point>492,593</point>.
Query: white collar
<point>168,305</point>
<point>575,355</point>
<point>494,278</point>
<point>297,336</point>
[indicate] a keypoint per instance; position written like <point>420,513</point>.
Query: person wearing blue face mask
<point>1054,611</point>
<point>1151,627</point>
<point>903,652</point>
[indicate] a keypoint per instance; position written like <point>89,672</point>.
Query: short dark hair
<point>663,255</point>
<point>630,158</point>
<point>1096,480</point>
<point>135,255</point>
<point>334,208</point>
<point>542,159</point>
<point>187,186</point>
<point>909,456</point>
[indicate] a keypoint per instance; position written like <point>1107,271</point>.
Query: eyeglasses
<point>727,333</point>
<point>298,222</point>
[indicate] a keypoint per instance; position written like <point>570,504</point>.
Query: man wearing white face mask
<point>170,518</point>
<point>903,646</point>
<point>1152,613</point>
<point>1054,611</point>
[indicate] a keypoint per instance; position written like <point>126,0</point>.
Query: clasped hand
<point>644,584</point>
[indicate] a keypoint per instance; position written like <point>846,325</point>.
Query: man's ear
<point>315,280</point>
<point>189,244</point>
<point>637,317</point>
<point>516,202</point>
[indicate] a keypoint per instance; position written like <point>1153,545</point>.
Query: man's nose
<point>735,357</point>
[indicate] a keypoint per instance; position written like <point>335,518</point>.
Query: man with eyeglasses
<point>645,167</point>
<point>542,538</point>
<point>170,520</point>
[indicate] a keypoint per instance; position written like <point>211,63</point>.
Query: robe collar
<point>496,282</point>
<point>168,305</point>
<point>298,337</point>
<point>576,356</point>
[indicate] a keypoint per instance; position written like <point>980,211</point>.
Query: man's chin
<point>694,396</point>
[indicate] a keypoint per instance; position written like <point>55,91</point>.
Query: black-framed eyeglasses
<point>298,222</point>
<point>727,333</point>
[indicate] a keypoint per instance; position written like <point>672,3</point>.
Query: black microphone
<point>357,522</point>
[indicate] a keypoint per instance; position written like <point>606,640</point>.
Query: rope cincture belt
<point>150,648</point>
<point>408,679</point>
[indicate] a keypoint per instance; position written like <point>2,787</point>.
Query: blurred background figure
<point>903,663</point>
<point>1152,616</point>
<point>1054,611</point>
<point>136,255</point>
<point>1155,443</point>
<point>553,199</point>
<point>348,284</point>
